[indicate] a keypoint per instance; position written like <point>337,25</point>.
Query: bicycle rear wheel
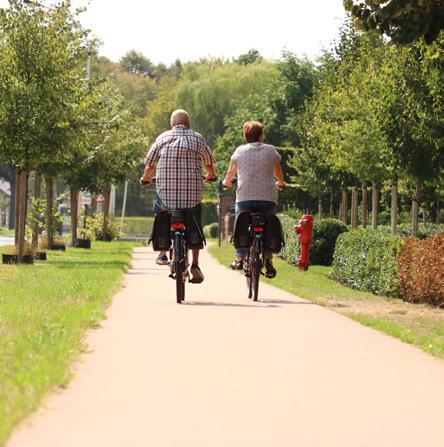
<point>179,267</point>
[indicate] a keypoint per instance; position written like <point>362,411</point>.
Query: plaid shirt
<point>179,155</point>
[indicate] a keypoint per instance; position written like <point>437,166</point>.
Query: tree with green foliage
<point>41,52</point>
<point>212,90</point>
<point>404,21</point>
<point>250,57</point>
<point>279,107</point>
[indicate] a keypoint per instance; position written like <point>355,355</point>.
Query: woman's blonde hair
<point>253,131</point>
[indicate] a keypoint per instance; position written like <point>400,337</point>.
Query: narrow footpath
<point>221,370</point>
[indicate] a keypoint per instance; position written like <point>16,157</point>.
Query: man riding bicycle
<point>177,156</point>
<point>259,176</point>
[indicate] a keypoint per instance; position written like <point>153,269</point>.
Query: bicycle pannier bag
<point>241,234</point>
<point>195,237</point>
<point>160,234</point>
<point>274,235</point>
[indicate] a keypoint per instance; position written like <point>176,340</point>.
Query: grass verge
<point>45,310</point>
<point>419,325</point>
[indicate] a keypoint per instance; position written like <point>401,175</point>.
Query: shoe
<point>270,271</point>
<point>198,276</point>
<point>162,260</point>
<point>237,265</point>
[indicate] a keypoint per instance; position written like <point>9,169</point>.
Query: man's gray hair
<point>179,116</point>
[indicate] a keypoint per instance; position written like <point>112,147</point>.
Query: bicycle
<point>178,248</point>
<point>255,259</point>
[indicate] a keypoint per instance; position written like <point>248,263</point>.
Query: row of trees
<point>376,117</point>
<point>54,120</point>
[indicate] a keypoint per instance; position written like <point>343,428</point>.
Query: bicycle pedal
<point>172,276</point>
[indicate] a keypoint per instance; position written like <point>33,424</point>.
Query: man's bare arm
<point>146,177</point>
<point>211,174</point>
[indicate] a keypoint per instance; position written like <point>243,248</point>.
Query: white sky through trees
<point>165,30</point>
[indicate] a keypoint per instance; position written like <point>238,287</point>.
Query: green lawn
<point>45,310</point>
<point>137,226</point>
<point>6,232</point>
<point>419,325</point>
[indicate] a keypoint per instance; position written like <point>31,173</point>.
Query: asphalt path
<point>221,370</point>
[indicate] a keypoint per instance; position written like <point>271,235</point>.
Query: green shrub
<point>209,211</point>
<point>290,252</point>
<point>321,251</point>
<point>94,225</point>
<point>211,231</point>
<point>366,260</point>
<point>421,270</point>
<point>325,234</point>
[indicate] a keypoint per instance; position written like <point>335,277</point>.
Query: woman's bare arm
<point>232,169</point>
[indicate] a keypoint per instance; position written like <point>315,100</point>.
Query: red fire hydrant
<point>305,231</point>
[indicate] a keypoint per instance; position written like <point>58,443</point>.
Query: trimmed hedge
<point>421,270</point>
<point>365,259</point>
<point>325,234</point>
<point>211,230</point>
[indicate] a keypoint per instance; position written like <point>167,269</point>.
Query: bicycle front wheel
<point>179,267</point>
<point>255,267</point>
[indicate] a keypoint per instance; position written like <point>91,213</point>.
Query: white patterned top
<point>255,178</point>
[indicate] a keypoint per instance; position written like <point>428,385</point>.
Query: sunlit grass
<point>45,310</point>
<point>419,325</point>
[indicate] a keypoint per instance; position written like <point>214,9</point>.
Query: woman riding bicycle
<point>259,176</point>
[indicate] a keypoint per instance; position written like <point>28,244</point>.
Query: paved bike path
<point>221,370</point>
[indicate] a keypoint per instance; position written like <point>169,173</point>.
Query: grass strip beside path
<point>45,310</point>
<point>419,325</point>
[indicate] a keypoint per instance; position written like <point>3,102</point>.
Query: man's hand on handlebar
<point>147,181</point>
<point>210,178</point>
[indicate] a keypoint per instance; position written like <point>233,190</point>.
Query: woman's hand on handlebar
<point>281,185</point>
<point>225,184</point>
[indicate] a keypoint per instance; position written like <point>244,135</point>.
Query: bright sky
<point>168,29</point>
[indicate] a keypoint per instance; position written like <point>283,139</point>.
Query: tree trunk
<point>364,205</point>
<point>394,207</point>
<point>344,207</point>
<point>355,204</point>
<point>375,201</point>
<point>332,204</point>
<point>18,191</point>
<point>21,226</point>
<point>49,211</point>
<point>35,223</point>
<point>12,206</point>
<point>320,209</point>
<point>74,193</point>
<point>415,208</point>
<point>106,203</point>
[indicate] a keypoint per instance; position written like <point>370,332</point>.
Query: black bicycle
<point>179,253</point>
<point>178,247</point>
<point>254,259</point>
